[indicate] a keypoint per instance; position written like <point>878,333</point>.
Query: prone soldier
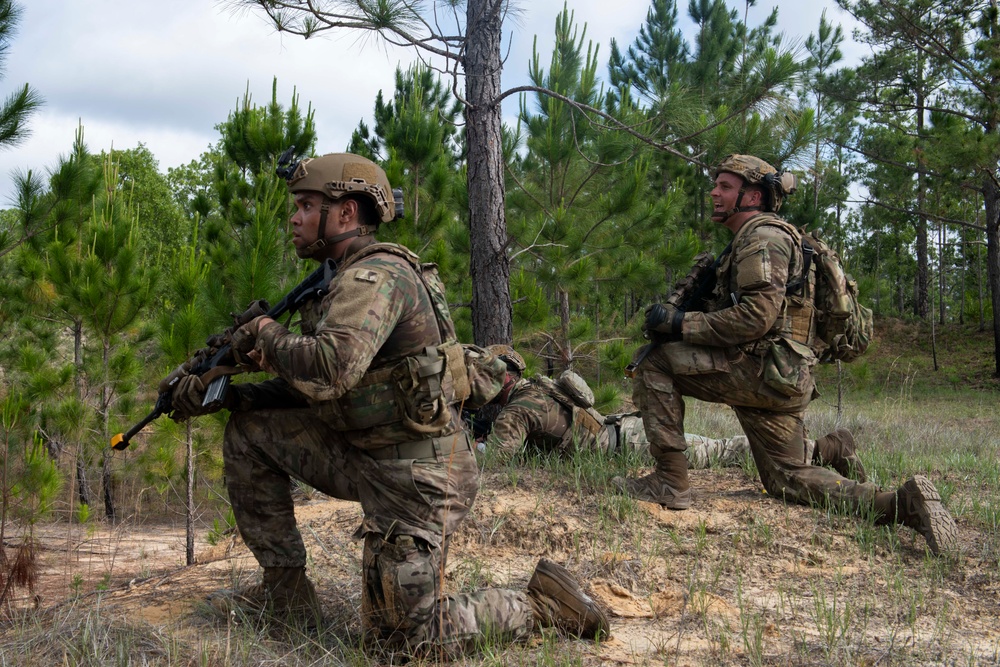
<point>556,416</point>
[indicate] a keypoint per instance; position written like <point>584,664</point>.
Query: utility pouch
<point>418,383</point>
<point>785,367</point>
<point>688,359</point>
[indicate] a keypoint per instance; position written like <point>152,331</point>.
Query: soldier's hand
<point>664,319</point>
<point>243,342</point>
<point>169,382</point>
<point>187,399</point>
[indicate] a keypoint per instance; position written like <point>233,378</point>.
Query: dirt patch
<point>738,579</point>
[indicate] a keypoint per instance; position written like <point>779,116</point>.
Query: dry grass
<point>740,579</point>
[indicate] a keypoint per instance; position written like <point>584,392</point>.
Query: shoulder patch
<point>366,275</point>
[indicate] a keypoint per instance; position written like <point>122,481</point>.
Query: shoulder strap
<point>770,219</point>
<point>391,248</point>
<point>414,261</point>
<point>762,219</point>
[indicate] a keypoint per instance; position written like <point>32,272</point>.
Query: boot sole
<point>936,524</point>
<point>581,616</point>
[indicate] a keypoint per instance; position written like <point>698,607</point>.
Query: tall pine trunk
<point>921,308</point>
<point>189,513</point>
<point>107,481</point>
<point>991,200</point>
<point>564,321</point>
<point>492,314</point>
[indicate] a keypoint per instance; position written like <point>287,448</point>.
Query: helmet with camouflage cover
<point>336,175</point>
<point>510,356</point>
<point>754,171</point>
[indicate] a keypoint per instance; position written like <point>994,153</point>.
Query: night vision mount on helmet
<point>336,175</point>
<point>776,184</point>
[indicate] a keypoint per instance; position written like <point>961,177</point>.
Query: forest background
<point>114,272</point>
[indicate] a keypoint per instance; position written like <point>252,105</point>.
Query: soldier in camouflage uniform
<point>539,413</point>
<point>752,346</point>
<point>364,407</point>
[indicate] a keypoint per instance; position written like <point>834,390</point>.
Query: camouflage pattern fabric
<point>725,357</point>
<point>534,417</point>
<point>702,452</point>
<point>748,304</point>
<point>377,314</point>
<point>402,606</point>
<point>414,505</point>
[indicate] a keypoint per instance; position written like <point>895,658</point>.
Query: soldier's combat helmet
<point>509,355</point>
<point>754,171</point>
<point>336,175</point>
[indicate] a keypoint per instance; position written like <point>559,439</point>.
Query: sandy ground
<point>738,579</point>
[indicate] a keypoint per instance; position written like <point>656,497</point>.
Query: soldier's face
<point>724,194</point>
<point>305,221</point>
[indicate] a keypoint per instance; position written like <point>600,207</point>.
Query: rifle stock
<point>220,365</point>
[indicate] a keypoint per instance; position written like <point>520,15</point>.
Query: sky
<point>131,72</point>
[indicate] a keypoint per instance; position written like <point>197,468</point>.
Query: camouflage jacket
<point>535,415</point>
<point>377,317</point>
<point>749,304</point>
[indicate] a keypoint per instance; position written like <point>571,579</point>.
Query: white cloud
<point>165,74</point>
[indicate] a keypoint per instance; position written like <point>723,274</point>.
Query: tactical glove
<point>664,320</point>
<point>243,342</point>
<point>187,399</point>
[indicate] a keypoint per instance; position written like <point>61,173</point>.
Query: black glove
<point>187,398</point>
<point>664,320</point>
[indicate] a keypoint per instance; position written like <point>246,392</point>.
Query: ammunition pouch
<point>417,392</point>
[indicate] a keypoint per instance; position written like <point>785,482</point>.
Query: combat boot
<point>667,485</point>
<point>838,451</point>
<point>558,601</point>
<point>284,592</point>
<point>918,506</point>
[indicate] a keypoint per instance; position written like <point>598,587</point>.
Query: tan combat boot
<point>284,592</point>
<point>918,506</point>
<point>558,601</point>
<point>667,485</point>
<point>838,451</point>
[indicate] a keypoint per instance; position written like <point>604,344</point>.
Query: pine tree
<point>585,229</point>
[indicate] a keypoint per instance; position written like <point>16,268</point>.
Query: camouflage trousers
<point>702,452</point>
<point>411,507</point>
<point>772,422</point>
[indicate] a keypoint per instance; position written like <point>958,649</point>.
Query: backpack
<point>576,388</point>
<point>842,323</point>
<point>569,388</point>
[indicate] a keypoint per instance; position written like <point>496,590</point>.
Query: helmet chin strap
<point>321,240</point>
<point>725,215</point>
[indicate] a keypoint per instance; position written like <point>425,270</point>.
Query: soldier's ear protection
<point>783,182</point>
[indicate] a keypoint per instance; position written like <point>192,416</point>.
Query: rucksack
<point>570,387</point>
<point>576,388</point>
<point>842,323</point>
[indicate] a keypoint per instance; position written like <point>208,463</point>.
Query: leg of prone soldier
<point>836,450</point>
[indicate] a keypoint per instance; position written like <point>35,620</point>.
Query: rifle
<point>684,298</point>
<point>216,362</point>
